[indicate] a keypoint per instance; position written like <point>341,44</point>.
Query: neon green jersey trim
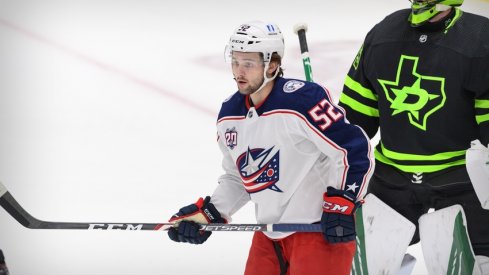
<point>417,168</point>
<point>458,13</point>
<point>359,107</point>
<point>482,118</point>
<point>357,87</point>
<point>403,156</point>
<point>481,103</point>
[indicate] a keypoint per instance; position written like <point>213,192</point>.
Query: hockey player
<point>288,149</point>
<point>422,77</point>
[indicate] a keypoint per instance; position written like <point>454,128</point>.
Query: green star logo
<point>419,96</point>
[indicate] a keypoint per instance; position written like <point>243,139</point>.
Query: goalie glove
<point>338,220</point>
<point>189,219</point>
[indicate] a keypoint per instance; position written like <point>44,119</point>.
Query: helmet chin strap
<point>265,78</point>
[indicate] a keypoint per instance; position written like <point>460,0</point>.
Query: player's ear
<point>272,67</point>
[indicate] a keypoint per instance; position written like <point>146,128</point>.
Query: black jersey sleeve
<point>358,98</point>
<point>478,80</point>
<point>481,100</point>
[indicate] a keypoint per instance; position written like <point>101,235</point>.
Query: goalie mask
<point>423,10</point>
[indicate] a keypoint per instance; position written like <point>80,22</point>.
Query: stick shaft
<point>8,202</point>
<point>305,54</point>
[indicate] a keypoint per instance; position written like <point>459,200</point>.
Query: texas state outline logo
<point>259,169</point>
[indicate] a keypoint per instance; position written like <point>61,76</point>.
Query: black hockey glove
<point>188,221</point>
<point>338,220</point>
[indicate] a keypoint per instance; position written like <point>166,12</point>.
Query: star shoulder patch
<point>293,85</point>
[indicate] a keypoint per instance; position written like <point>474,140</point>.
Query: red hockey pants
<point>299,254</point>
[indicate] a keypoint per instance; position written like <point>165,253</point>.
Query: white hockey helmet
<point>256,36</point>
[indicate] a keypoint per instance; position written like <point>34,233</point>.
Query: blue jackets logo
<point>259,169</point>
<point>292,86</point>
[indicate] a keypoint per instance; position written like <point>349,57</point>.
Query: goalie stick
<point>8,202</point>
<point>300,29</point>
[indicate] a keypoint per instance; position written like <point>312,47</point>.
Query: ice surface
<point>107,114</point>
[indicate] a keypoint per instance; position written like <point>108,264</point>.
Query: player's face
<point>248,71</point>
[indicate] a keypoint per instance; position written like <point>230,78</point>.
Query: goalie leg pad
<point>383,236</point>
<point>445,242</point>
<point>483,262</point>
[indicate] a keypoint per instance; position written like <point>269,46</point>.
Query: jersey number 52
<point>324,114</point>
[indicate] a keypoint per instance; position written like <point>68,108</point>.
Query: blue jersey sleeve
<point>328,120</point>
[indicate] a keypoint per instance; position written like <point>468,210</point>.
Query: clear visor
<point>246,63</point>
<point>228,54</point>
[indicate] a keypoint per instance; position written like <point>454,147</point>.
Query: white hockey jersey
<point>283,154</point>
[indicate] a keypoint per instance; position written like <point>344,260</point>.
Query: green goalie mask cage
<point>423,10</point>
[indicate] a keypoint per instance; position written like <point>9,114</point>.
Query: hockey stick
<point>300,29</point>
<point>8,202</point>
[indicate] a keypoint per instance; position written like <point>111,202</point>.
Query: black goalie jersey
<point>427,91</point>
